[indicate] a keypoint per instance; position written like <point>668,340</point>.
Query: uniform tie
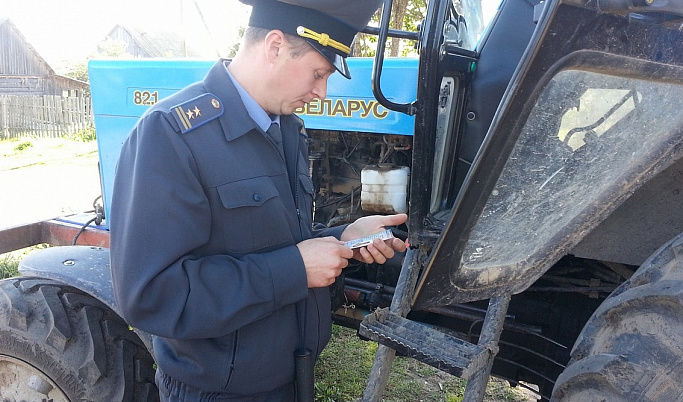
<point>275,133</point>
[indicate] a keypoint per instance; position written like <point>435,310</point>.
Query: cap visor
<point>336,60</point>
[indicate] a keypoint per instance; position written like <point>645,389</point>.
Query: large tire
<point>60,344</point>
<point>632,347</point>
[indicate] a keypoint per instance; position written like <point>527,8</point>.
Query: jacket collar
<point>236,120</point>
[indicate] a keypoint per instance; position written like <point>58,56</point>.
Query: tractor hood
<point>592,112</point>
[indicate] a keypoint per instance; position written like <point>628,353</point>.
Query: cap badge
<point>322,38</point>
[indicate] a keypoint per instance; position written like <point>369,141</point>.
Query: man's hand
<point>324,259</point>
<point>379,251</point>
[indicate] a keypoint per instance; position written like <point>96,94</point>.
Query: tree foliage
<point>107,49</point>
<point>406,15</point>
<point>236,46</point>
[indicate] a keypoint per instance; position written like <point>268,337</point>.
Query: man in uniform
<point>213,250</point>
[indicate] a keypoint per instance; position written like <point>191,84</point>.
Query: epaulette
<point>197,111</point>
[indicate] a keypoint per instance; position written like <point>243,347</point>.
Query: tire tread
<point>84,346</point>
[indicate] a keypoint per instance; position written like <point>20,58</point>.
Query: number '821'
<point>145,98</point>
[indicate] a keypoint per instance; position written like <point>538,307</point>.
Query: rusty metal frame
<point>55,232</point>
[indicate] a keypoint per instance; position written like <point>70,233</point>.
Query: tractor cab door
<point>592,110</point>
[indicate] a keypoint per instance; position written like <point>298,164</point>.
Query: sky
<point>67,31</point>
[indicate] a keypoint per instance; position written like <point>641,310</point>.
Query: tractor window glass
<point>467,20</point>
<point>585,135</point>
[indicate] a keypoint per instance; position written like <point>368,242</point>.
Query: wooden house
<point>24,72</point>
<point>144,44</point>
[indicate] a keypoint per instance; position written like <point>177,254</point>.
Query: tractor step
<point>428,345</point>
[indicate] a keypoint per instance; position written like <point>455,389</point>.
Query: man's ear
<point>274,44</point>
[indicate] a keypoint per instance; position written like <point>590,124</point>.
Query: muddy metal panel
<point>649,218</point>
<point>592,113</point>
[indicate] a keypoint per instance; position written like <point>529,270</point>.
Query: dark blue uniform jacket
<point>204,222</point>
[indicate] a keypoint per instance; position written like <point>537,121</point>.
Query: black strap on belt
<point>304,379</point>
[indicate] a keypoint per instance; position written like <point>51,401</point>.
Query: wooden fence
<point>43,115</point>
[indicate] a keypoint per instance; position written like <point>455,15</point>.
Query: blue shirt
<point>256,112</point>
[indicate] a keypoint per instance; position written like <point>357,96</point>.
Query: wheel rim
<point>21,381</point>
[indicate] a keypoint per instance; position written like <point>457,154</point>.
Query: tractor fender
<point>85,268</point>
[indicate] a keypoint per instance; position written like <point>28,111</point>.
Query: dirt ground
<point>44,178</point>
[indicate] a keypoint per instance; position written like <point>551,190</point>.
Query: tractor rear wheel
<point>60,344</point>
<point>631,349</point>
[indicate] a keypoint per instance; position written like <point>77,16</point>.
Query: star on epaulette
<point>197,112</point>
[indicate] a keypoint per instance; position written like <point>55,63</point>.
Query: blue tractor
<point>539,158</point>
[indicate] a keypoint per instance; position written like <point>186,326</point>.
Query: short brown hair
<point>298,45</point>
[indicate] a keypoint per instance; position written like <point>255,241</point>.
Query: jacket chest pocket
<point>251,215</point>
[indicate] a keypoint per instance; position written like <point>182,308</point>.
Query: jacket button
<point>256,197</point>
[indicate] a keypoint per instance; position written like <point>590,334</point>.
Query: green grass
<point>9,263</point>
<point>22,146</point>
<point>343,366</point>
<point>343,369</point>
<point>85,135</point>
